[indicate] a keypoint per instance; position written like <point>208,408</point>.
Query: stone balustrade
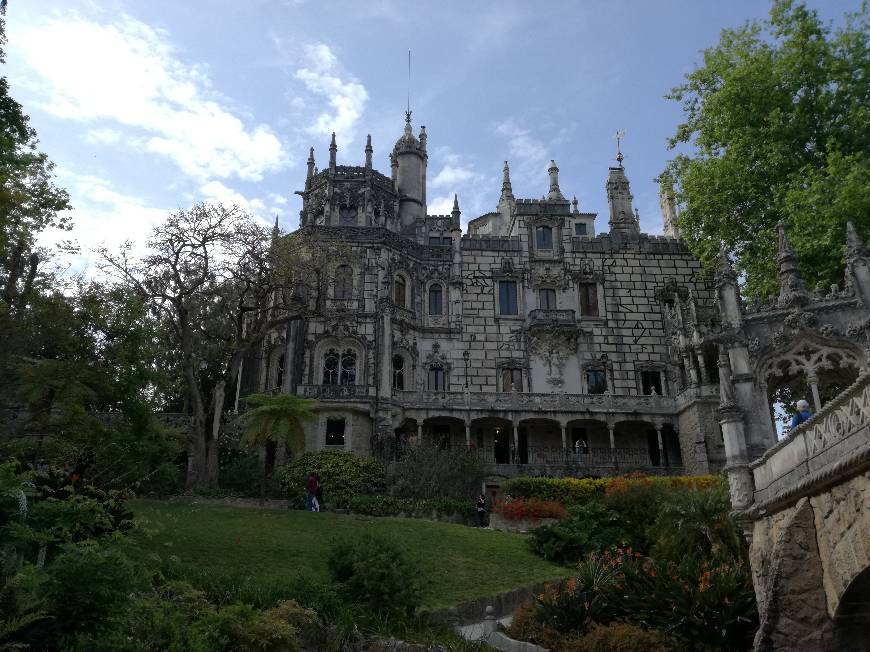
<point>837,436</point>
<point>550,316</point>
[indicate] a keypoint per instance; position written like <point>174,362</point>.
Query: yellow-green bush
<point>579,491</point>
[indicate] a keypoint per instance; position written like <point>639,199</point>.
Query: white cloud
<point>125,73</point>
<point>452,175</point>
<point>103,136</point>
<point>102,217</point>
<point>216,192</point>
<point>440,205</point>
<point>346,97</point>
<point>521,143</point>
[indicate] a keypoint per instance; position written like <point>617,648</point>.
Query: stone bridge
<point>809,523</point>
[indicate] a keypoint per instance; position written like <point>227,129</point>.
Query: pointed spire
<point>792,291</point>
<point>554,193</point>
<point>369,151</point>
<point>311,163</point>
<point>408,130</point>
<point>455,203</point>
<point>333,148</point>
<point>668,204</point>
<point>455,213</point>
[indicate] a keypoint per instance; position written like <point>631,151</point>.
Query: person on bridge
<point>803,414</point>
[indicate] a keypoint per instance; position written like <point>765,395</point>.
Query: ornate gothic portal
<point>804,501</point>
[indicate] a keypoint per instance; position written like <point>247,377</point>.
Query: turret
<point>555,193</point>
<point>792,291</point>
<point>333,148</point>
<point>668,203</point>
<point>622,218</point>
<point>410,163</point>
<point>506,202</point>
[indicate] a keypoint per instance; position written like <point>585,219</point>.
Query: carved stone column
<point>467,434</point>
<point>813,381</point>
<point>386,309</point>
<point>662,458</point>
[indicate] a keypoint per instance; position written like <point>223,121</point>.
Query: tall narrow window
<point>589,300</point>
<point>279,371</point>
<point>544,237</point>
<point>596,381</point>
<point>330,367</point>
<point>435,299</point>
<point>399,291</point>
<point>547,299</point>
<point>344,282</point>
<point>348,368</point>
<point>511,379</point>
<point>437,380</point>
<point>507,298</point>
<point>651,382</point>
<point>398,372</point>
<point>334,432</point>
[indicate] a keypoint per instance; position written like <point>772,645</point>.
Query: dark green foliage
<point>777,116</point>
<point>380,505</point>
<point>340,473</point>
<point>376,573</point>
<point>427,471</point>
<point>589,528</point>
<point>240,473</point>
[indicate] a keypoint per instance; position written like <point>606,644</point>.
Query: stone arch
<point>341,344</point>
<point>789,583</point>
<point>852,619</point>
<point>818,367</point>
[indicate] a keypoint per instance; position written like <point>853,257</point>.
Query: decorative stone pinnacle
<point>791,286</point>
<point>725,272</point>
<point>333,148</point>
<point>575,205</point>
<point>455,202</point>
<point>555,192</point>
<point>369,151</point>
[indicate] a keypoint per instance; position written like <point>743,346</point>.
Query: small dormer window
<point>544,237</point>
<point>580,228</point>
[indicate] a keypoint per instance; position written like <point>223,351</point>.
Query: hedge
<point>380,505</point>
<point>340,473</point>
<point>580,491</point>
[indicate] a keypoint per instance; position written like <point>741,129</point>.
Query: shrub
<point>426,471</point>
<point>241,627</point>
<point>589,528</point>
<point>340,473</point>
<point>240,473</point>
<point>619,637</point>
<point>525,626</point>
<point>380,505</point>
<point>376,573</point>
<point>520,509</point>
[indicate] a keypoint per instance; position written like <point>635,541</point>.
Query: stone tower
<point>409,159</point>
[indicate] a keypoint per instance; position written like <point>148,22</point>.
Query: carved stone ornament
<point>741,486</point>
<point>435,358</point>
<point>553,345</point>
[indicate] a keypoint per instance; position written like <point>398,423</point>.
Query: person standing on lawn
<point>311,493</point>
<point>481,509</point>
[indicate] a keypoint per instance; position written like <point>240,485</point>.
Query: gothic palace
<point>531,339</point>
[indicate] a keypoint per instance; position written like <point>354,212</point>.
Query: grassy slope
<point>270,547</point>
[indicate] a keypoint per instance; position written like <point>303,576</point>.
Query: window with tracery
<point>344,282</point>
<point>339,368</point>
<point>436,302</point>
<point>398,372</point>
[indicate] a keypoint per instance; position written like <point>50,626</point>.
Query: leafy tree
<point>29,200</point>
<point>778,122</point>
<point>221,284</point>
<point>276,419</point>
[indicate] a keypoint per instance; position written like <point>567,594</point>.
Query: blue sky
<point>151,106</point>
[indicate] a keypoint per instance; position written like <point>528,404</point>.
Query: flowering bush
<point>521,509</point>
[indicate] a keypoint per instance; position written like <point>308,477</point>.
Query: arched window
<point>279,371</point>
<point>544,237</point>
<point>344,282</point>
<point>348,368</point>
<point>398,372</point>
<point>437,378</point>
<point>399,291</point>
<point>436,306</point>
<point>330,367</point>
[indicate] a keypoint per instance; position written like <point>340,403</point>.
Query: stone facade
<point>529,339</point>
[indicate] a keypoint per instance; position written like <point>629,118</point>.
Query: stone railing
<point>533,402</point>
<point>550,316</point>
<point>335,392</point>
<point>587,458</point>
<point>826,445</point>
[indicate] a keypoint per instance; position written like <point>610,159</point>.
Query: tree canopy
<point>778,128</point>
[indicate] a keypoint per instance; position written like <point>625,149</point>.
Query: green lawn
<point>259,548</point>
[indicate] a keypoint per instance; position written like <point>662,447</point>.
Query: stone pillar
<point>689,364</point>
<point>740,480</point>
<point>565,440</point>
<point>288,386</point>
<point>386,349</point>
<point>611,428</point>
<point>663,460</point>
<point>467,435</point>
<point>705,377</point>
<point>516,448</point>
<point>419,433</point>
<point>813,381</point>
